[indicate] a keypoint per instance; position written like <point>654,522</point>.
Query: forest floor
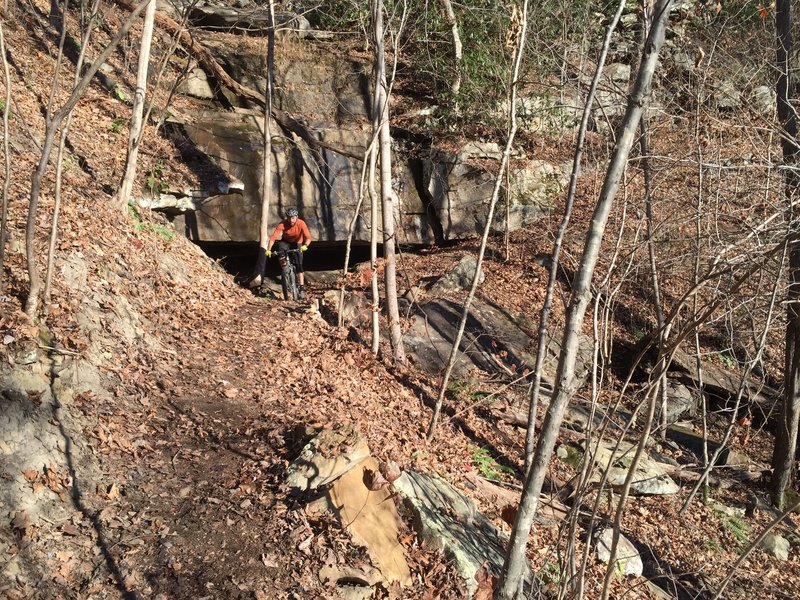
<point>207,393</point>
<point>187,497</point>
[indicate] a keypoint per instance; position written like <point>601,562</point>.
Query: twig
<point>500,482</point>
<point>58,350</point>
<point>173,459</point>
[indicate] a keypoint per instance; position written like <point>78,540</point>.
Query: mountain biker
<point>293,232</point>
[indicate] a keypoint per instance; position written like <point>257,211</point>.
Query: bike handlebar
<point>288,251</point>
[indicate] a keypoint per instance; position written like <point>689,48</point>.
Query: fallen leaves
<point>374,480</point>
<point>486,583</point>
<point>21,521</point>
<point>112,492</point>
<point>69,529</point>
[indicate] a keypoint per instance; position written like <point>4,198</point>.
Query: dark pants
<point>295,257</point>
<point>261,263</point>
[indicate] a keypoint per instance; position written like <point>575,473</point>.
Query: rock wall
<point>440,195</point>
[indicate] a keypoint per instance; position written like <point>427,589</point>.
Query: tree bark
<point>387,193</point>
<point>515,565</point>
<point>783,455</point>
<point>373,245</point>
<point>458,51</point>
<point>266,183</point>
<point>136,128</point>
<point>544,314</point>
<point>6,157</point>
<point>51,251</point>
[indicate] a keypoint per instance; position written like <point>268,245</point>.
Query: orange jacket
<point>297,233</point>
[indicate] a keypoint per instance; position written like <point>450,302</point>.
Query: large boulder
<point>649,478</point>
<point>628,561</point>
<point>448,520</point>
<point>246,19</point>
<point>493,341</point>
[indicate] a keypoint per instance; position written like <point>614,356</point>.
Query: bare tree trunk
<point>699,211</point>
<point>51,127</point>
<point>709,463</point>
<point>60,155</point>
<point>30,238</point>
<point>6,157</point>
<point>544,314</point>
<point>507,229</point>
<point>387,193</point>
<point>512,132</point>
<point>266,183</point>
<point>645,21</point>
<point>373,251</point>
<point>136,129</point>
<point>458,52</point>
<point>162,66</point>
<point>783,456</point>
<point>514,568</point>
<point>661,391</point>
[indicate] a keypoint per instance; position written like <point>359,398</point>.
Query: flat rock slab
<point>372,520</point>
<point>339,460</point>
<point>493,341</point>
<point>447,519</point>
<point>694,442</point>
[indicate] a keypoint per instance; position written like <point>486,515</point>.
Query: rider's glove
<point>269,253</point>
<point>303,248</point>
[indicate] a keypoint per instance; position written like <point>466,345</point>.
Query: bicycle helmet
<point>291,212</point>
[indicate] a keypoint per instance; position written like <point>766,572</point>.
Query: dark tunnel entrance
<point>239,258</point>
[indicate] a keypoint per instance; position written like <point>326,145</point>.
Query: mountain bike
<point>288,273</point>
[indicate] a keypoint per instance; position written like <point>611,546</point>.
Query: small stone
<point>28,358</point>
<point>628,561</point>
<point>777,546</point>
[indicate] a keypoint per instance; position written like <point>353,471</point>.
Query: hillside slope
<point>147,420</point>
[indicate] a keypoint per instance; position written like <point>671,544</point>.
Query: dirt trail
<point>211,514</point>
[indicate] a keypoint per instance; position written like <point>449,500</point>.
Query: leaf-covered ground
<point>171,483</point>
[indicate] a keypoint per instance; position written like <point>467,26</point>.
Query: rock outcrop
<point>440,195</point>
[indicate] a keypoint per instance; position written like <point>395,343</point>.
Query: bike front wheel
<point>289,284</point>
<point>295,292</point>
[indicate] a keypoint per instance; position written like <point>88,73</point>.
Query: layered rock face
<point>440,196</point>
